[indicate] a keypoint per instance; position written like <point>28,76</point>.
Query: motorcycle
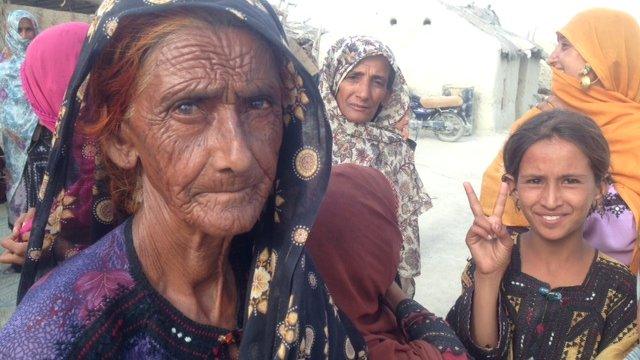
<point>438,114</point>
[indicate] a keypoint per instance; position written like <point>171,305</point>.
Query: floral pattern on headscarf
<point>17,119</point>
<point>377,144</point>
<point>280,301</point>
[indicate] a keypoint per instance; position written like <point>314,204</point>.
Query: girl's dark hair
<point>578,129</point>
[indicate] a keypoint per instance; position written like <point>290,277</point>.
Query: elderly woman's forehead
<point>377,58</point>
<point>231,45</point>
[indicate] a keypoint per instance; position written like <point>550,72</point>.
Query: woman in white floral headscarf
<point>366,96</point>
<point>17,120</point>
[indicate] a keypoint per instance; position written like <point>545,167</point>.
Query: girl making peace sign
<point>546,294</point>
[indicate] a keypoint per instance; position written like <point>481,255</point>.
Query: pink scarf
<point>50,61</point>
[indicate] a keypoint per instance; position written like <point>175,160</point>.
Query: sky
<point>534,19</point>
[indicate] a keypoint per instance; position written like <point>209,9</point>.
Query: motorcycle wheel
<point>453,127</point>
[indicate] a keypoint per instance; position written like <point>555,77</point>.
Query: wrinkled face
<point>26,29</point>
<point>566,58</point>
<point>364,89</point>
<point>207,126</point>
<point>556,188</point>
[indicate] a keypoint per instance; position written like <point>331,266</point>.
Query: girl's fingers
<point>480,232</point>
<point>484,223</point>
<point>474,203</point>
<point>498,210</point>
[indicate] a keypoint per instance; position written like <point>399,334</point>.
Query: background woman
<point>596,71</point>
<point>188,101</point>
<point>17,120</point>
<point>49,63</point>
<point>357,254</point>
<point>551,295</point>
<point>365,96</point>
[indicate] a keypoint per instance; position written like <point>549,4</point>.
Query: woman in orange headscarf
<point>596,71</point>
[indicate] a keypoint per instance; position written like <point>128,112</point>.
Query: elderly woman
<point>366,98</point>
<point>17,120</point>
<point>217,156</point>
<point>596,71</point>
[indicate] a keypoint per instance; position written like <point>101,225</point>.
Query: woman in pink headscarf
<point>49,63</point>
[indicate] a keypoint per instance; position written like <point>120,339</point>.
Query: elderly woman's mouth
<point>228,188</point>
<point>359,107</point>
<point>239,192</point>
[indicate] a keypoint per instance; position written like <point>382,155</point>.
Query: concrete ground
<point>443,167</point>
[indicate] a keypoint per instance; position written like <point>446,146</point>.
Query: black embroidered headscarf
<point>282,319</point>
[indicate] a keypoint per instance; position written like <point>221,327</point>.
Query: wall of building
<point>506,91</point>
<point>528,79</point>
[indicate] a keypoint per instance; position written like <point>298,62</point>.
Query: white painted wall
<point>528,81</point>
<point>450,51</point>
<point>505,94</point>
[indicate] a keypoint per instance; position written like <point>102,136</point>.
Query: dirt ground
<point>443,167</point>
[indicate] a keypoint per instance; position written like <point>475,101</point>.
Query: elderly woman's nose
<point>232,150</point>
<point>363,89</point>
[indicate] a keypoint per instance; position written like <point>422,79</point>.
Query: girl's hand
<point>488,240</point>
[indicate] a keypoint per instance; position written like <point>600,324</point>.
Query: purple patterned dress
<point>612,231</point>
<point>99,304</point>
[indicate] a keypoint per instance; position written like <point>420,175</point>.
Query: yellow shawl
<point>609,41</point>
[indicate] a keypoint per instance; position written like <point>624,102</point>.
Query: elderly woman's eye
<point>186,108</point>
<point>260,104</point>
<point>351,77</point>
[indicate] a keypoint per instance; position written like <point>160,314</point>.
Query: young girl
<point>548,294</point>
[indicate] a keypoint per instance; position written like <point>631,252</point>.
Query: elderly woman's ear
<point>119,147</point>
